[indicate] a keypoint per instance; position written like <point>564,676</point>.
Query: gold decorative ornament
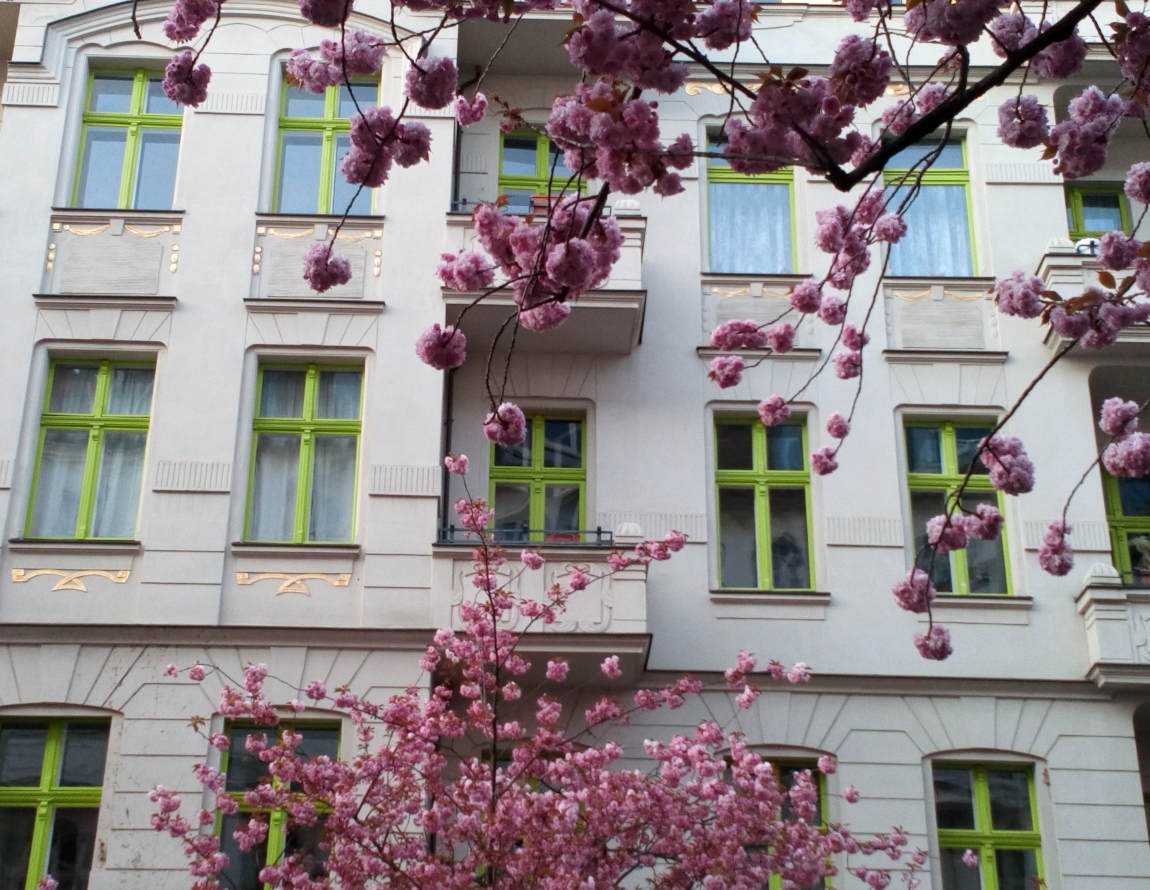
<point>294,582</point>
<point>72,579</point>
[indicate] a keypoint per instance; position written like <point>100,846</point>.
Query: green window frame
<point>129,142</point>
<point>51,776</point>
<point>750,219</point>
<point>304,479</point>
<point>90,450</point>
<point>1093,209</point>
<point>992,810</point>
<point>313,137</point>
<point>939,241</point>
<point>526,161</point>
<point>242,772</point>
<point>538,488</point>
<point>938,455</point>
<point>763,505</point>
<point>1128,514</point>
<point>786,770</point>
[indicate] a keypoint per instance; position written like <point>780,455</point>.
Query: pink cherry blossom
<point>1010,468</point>
<point>851,794</point>
<point>456,464</point>
<point>185,18</point>
<point>838,426</point>
<point>773,410</point>
<point>731,335</point>
<point>442,348</point>
<point>1023,122</point>
<point>470,112</point>
<point>984,524</point>
<point>506,425</point>
<point>1128,457</point>
<point>323,270</point>
<point>935,644</point>
<point>1118,417</point>
<point>823,461</point>
<point>1117,252</point>
<point>848,364</point>
<point>915,592</point>
<point>1020,295</point>
<point>807,296</point>
<point>185,82</point>
<point>610,667</point>
<point>946,533</point>
<point>531,559</point>
<point>726,370</point>
<point>1137,185</point>
<point>326,13</point>
<point>431,83</point>
<point>970,859</point>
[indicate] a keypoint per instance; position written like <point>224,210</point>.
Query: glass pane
<point>364,94</point>
<point>338,395</point>
<point>1009,800</point>
<point>787,774</point>
<point>557,167</point>
<point>923,449</point>
<point>111,92</point>
<point>16,827</point>
<point>563,443</point>
<point>925,505</point>
<point>733,446</point>
<point>1017,869</point>
<point>514,455</point>
<point>272,510</point>
<point>71,847</point>
<point>512,511</point>
<point>85,750</point>
<point>561,512</point>
<point>949,158</point>
<point>21,754</point>
<point>1101,211</point>
<point>130,391</point>
<point>281,393</point>
<point>343,192</point>
<point>101,165</point>
<point>750,227</point>
<point>73,389</point>
<point>118,487</point>
<point>308,842</point>
<point>966,439</point>
<point>519,156</point>
<point>299,102</point>
<point>785,448</point>
<point>332,488</point>
<point>156,172</point>
<point>518,201</point>
<point>61,477</point>
<point>953,797</point>
<point>319,741</point>
<point>790,558</point>
<point>957,875</point>
<point>1138,546</point>
<point>244,770</point>
<point>738,548</point>
<point>985,561</point>
<point>1135,496</point>
<point>300,163</point>
<point>156,101</point>
<point>937,241</point>
<point>243,869</point>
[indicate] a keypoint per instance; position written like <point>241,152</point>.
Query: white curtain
<point>750,227</point>
<point>61,478</point>
<point>130,391</point>
<point>332,488</point>
<point>118,486</point>
<point>274,487</point>
<point>937,240</point>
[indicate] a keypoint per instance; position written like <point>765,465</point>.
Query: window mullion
<point>303,485</point>
<point>763,533</point>
<point>326,172</point>
<point>128,165</point>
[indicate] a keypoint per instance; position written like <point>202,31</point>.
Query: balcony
<point>941,315</point>
<point>1117,623</point>
<point>607,320</point>
<point>122,253</point>
<point>282,241</point>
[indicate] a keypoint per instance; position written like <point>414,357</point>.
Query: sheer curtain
<point>59,483</point>
<point>750,227</point>
<point>937,240</point>
<point>118,486</point>
<point>274,487</point>
<point>332,488</point>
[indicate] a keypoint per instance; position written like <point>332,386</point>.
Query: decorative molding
<point>1092,535</point>
<point>310,325</point>
<point>22,93</point>
<point>930,356</point>
<point>5,472</point>
<point>864,531</point>
<point>71,579</point>
<point>191,475</point>
<point>652,524</point>
<point>294,582</point>
<point>115,323</point>
<point>975,384</point>
<point>1014,171</point>
<point>224,102</point>
<point>405,481</point>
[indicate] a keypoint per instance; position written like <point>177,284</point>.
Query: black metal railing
<point>529,537</point>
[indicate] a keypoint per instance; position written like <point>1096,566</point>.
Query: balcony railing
<point>531,537</point>
<point>1116,618</point>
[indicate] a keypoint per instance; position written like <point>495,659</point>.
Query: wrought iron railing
<point>530,537</point>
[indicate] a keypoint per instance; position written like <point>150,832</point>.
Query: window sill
<point>783,604</point>
<point>320,217</point>
<point>307,551</point>
<point>930,356</point>
<point>37,545</point>
<point>960,608</point>
<point>795,355</point>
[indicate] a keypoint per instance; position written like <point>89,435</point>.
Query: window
<point>1128,509</point>
<point>51,772</point>
<point>763,505</point>
<point>749,218</point>
<point>129,144</point>
<point>786,773</point>
<point>313,137</point>
<point>938,457</point>
<point>939,225</point>
<point>990,810</point>
<point>90,460</point>
<point>304,454</point>
<point>530,165</point>
<point>537,487</point>
<point>1093,210</point>
<point>244,772</point>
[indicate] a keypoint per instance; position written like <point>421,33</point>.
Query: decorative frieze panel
<point>317,322</point>
<point>71,579</point>
<point>941,315</point>
<point>191,475</point>
<point>41,94</point>
<point>125,253</point>
<point>280,245</point>
<point>406,481</point>
<point>294,582</point>
<point>82,318</point>
<point>760,299</point>
<point>865,531</point>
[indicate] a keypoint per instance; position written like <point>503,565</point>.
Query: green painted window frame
<point>540,183</point>
<point>331,126</point>
<point>539,477</point>
<point>984,839</point>
<point>97,422</point>
<point>49,795</point>
<point>943,176</point>
<point>763,480</point>
<point>1122,527</point>
<point>307,427</point>
<point>719,171</point>
<point>948,481</point>
<point>133,121</point>
<point>1074,212</point>
<point>277,816</point>
<point>788,766</point>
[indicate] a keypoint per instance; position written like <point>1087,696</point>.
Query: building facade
<point>203,461</point>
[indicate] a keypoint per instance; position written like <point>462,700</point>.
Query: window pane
<point>1135,496</point>
<point>71,847</point>
<point>156,100</point>
<point>518,156</point>
<point>299,102</point>
<point>1017,869</point>
<point>281,393</point>
<point>515,455</point>
<point>937,241</point>
<point>300,163</point>
<point>337,396</point>
<point>101,165</point>
<point>750,227</point>
<point>790,558</point>
<point>557,166</point>
<point>956,875</point>
<point>1009,800</point>
<point>1138,546</point>
<point>365,94</point>
<point>787,775</point>
<point>130,391</point>
<point>518,201</point>
<point>949,158</point>
<point>966,439</point>
<point>308,842</point>
<point>111,92</point>
<point>156,172</point>
<point>1101,211</point>
<point>118,487</point>
<point>342,191</point>
<point>61,477</point>
<point>332,488</point>
<point>925,505</point>
<point>985,561</point>
<point>244,770</point>
<point>85,750</point>
<point>512,511</point>
<point>274,487</point>
<point>733,447</point>
<point>319,741</point>
<point>923,449</point>
<point>561,512</point>
<point>563,443</point>
<point>738,550</point>
<point>73,389</point>
<point>953,798</point>
<point>785,448</point>
<point>16,826</point>
<point>21,754</point>
<point>243,869</point>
